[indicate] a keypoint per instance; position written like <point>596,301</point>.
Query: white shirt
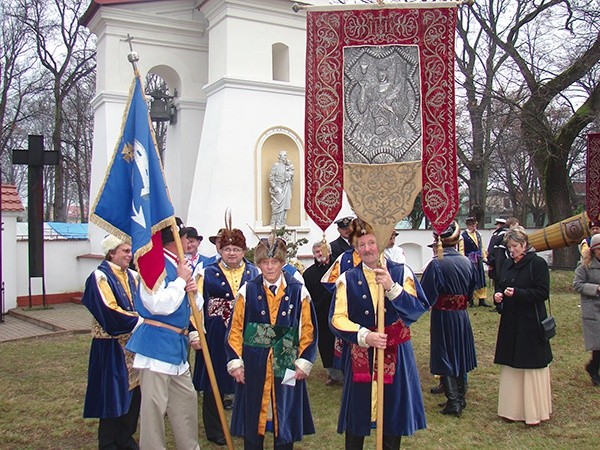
<point>163,302</point>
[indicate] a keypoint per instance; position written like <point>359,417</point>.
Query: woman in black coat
<point>523,285</point>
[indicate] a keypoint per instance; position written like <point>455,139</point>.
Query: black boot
<point>593,366</point>
<point>453,406</point>
<point>439,389</point>
<point>483,303</point>
<point>471,303</point>
<point>463,386</point>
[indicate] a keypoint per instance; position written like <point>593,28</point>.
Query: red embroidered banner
<point>410,113</point>
<point>592,180</point>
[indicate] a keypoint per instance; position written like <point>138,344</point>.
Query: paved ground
<point>23,323</point>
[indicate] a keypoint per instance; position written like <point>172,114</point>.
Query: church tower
<point>254,110</point>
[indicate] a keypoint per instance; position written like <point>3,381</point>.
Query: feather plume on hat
<point>231,236</point>
<point>271,247</point>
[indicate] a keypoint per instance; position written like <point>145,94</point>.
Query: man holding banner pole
<point>160,344</point>
<point>354,319</point>
<point>133,204</point>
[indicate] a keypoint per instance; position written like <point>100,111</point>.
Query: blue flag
<point>133,202</point>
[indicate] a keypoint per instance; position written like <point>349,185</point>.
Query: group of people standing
<point>263,326</point>
<point>260,329</point>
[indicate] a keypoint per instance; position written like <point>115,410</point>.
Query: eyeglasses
<point>232,250</point>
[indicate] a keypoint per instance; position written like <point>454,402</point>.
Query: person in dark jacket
<point>341,244</point>
<point>496,252</point>
<point>321,297</point>
<point>496,240</point>
<point>522,287</point>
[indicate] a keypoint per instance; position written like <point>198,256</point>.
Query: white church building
<point>238,69</point>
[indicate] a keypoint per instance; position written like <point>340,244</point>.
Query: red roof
<point>96,4</point>
<point>10,199</point>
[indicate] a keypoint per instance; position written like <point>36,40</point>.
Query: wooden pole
<point>380,358</point>
<point>207,360</point>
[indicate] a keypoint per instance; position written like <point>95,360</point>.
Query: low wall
<point>65,272</point>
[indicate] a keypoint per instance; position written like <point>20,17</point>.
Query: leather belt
<point>156,323</point>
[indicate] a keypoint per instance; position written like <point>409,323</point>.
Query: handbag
<point>548,325</point>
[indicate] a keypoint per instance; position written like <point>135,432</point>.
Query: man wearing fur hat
<point>219,284</point>
<point>448,282</point>
<point>271,347</point>
<point>113,393</point>
<point>160,344</point>
<point>353,318</point>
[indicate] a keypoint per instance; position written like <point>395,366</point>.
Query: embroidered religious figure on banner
<point>382,104</point>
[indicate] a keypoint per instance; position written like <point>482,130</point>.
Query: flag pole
<point>200,327</point>
<point>133,58</point>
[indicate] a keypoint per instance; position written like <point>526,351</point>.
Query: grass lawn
<point>42,385</point>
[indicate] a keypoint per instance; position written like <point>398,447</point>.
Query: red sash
<point>450,302</point>
<point>397,333</point>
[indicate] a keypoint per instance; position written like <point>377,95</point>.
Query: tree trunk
<point>59,211</point>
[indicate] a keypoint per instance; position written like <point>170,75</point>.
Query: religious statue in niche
<point>280,179</point>
<point>382,104</point>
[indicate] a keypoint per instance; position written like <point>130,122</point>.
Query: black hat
<point>191,232</point>
<point>213,239</point>
<point>344,222</point>
<point>449,236</point>
<point>167,234</point>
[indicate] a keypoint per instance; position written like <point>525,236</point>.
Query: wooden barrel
<point>567,232</point>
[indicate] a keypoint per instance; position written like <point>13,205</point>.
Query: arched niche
<point>270,143</point>
<point>281,62</point>
<point>414,255</point>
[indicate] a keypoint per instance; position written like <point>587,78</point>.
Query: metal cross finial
<point>132,56</point>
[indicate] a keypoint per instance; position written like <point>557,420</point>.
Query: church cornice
<point>253,10</point>
<point>155,22</point>
<point>254,85</point>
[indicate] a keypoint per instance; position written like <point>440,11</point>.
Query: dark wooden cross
<point>36,158</point>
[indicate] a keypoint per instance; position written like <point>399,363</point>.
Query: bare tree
<point>17,84</point>
<point>65,51</point>
<point>552,66</point>
<point>77,141</point>
<point>479,64</point>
